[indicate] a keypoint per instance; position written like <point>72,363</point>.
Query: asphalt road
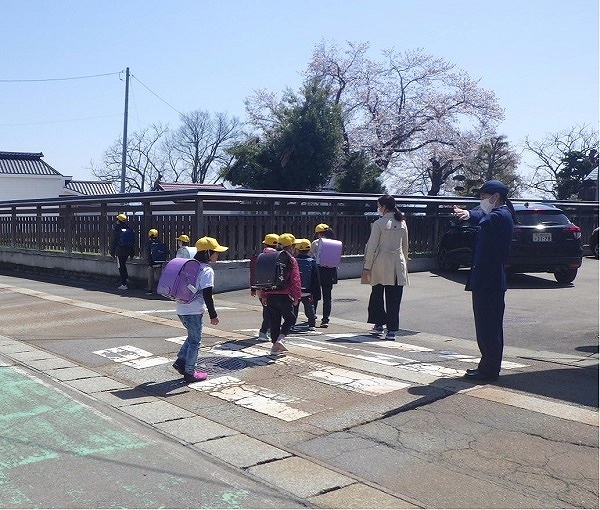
<point>541,314</point>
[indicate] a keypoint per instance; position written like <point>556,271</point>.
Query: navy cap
<point>492,187</point>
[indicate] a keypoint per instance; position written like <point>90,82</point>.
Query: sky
<point>540,57</point>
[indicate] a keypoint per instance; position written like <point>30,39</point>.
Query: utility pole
<point>125,115</point>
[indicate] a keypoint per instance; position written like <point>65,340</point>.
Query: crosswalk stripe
<point>354,381</point>
<point>251,397</point>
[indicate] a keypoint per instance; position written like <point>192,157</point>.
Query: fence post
<point>68,229</point>
<point>38,228</point>
<point>199,224</point>
<point>13,230</point>
<point>103,229</point>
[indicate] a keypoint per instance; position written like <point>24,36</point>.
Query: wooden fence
<point>238,219</point>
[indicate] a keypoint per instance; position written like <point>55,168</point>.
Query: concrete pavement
<point>345,420</point>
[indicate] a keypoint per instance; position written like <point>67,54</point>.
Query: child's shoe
<point>195,377</point>
<point>391,335</point>
<point>279,346</point>
<point>377,329</point>
<point>263,336</point>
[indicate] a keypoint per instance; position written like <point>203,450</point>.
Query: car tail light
<point>575,230</point>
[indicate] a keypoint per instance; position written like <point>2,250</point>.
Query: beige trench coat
<point>387,251</point>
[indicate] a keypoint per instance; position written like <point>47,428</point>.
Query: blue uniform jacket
<point>492,244</point>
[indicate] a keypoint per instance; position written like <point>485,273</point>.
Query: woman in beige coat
<point>385,266</point>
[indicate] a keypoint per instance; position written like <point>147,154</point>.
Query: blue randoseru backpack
<point>305,267</point>
<point>159,252</point>
<point>126,237</point>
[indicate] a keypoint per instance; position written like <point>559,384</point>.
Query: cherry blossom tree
<point>404,103</point>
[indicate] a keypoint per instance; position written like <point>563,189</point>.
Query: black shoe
<point>476,375</point>
<point>472,370</point>
<point>324,324</point>
<point>179,365</point>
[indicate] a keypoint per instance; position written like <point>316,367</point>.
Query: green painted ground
<point>58,453</point>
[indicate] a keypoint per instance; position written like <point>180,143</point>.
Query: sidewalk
<point>344,420</point>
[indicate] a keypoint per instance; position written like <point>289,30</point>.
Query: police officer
<point>487,279</point>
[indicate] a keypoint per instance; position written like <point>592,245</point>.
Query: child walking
<point>281,302</point>
<point>327,275</point>
<point>191,314</point>
<point>270,243</point>
<point>309,281</point>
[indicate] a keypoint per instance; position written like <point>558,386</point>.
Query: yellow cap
<point>183,238</point>
<point>302,244</point>
<point>209,243</point>
<point>286,240</point>
<point>152,232</point>
<point>271,240</point>
<point>121,217</point>
<point>321,227</point>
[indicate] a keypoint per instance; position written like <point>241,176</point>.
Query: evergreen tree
<point>301,149</point>
<point>358,174</point>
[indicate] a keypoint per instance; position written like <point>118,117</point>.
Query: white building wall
<point>18,187</point>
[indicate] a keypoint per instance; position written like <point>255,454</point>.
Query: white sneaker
<point>279,346</point>
<point>122,287</point>
<point>263,336</point>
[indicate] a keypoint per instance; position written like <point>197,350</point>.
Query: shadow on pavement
<point>513,280</point>
<point>575,385</point>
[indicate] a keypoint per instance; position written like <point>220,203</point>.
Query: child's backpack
<point>126,237</point>
<point>272,270</point>
<point>305,265</point>
<point>159,253</point>
<point>329,252</point>
<point>175,278</point>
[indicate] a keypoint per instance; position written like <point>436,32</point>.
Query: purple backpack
<point>175,278</point>
<point>329,253</point>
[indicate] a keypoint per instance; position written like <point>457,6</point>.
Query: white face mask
<point>486,204</point>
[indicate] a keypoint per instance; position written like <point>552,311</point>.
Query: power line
<point>155,94</point>
<point>62,79</point>
<point>59,121</point>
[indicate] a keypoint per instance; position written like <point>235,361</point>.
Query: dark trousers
<point>309,310</point>
<point>326,294</point>
<point>266,320</point>
<point>488,310</point>
<point>390,313</point>
<point>280,306</point>
<point>122,265</point>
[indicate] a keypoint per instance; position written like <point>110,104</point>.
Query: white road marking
<point>258,399</point>
<point>132,356</point>
<point>177,339</point>
<point>354,381</point>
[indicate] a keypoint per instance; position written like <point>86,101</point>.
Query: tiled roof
<point>178,186</point>
<point>28,163</point>
<point>92,187</point>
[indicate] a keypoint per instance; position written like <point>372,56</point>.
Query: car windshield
<point>533,217</point>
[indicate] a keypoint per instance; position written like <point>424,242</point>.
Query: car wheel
<point>595,251</point>
<point>565,276</point>
<point>444,261</point>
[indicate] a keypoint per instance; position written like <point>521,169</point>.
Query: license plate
<point>542,237</point>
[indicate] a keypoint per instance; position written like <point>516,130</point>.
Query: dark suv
<point>544,241</point>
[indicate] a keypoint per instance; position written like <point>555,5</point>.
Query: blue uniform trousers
<point>488,310</point>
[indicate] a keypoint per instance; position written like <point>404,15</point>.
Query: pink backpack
<point>329,252</point>
<point>175,278</point>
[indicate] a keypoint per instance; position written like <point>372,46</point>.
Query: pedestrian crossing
<point>307,366</point>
